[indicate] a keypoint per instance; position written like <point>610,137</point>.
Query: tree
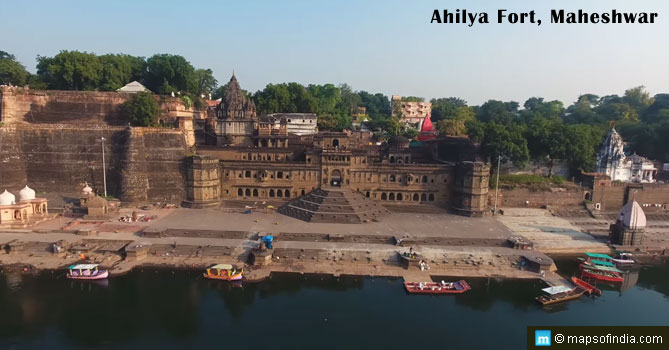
<point>170,73</point>
<point>119,69</point>
<point>497,111</point>
<point>452,127</point>
<point>637,98</point>
<point>444,107</point>
<point>376,104</point>
<point>497,139</point>
<point>70,70</point>
<point>11,71</point>
<point>142,109</point>
<point>205,82</point>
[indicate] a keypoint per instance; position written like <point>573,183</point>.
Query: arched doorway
<point>383,196</point>
<point>335,178</point>
<point>286,193</point>
<point>391,196</point>
<point>335,143</point>
<point>255,192</point>
<point>271,193</point>
<point>240,192</point>
<point>248,192</point>
<point>415,197</point>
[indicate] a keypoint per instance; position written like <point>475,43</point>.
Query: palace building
<point>283,157</point>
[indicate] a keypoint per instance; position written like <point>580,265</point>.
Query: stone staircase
<point>334,206</point>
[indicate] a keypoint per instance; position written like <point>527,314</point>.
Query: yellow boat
<point>223,272</point>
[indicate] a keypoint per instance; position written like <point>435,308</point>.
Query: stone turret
<point>203,186</point>
<point>471,188</point>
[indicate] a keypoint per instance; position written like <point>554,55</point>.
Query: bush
<point>142,109</point>
<point>533,181</point>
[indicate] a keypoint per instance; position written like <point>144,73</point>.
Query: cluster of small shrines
<point>24,210</point>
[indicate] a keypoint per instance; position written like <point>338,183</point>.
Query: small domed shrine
<point>24,212</point>
<point>629,227</point>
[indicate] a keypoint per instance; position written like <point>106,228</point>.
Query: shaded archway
<point>240,192</point>
<point>399,196</point>
<point>423,197</point>
<point>335,143</point>
<point>271,193</point>
<point>431,197</point>
<point>415,197</point>
<point>248,192</point>
<point>335,178</point>
<point>286,193</point>
<point>255,192</point>
<point>391,196</point>
<point>383,196</point>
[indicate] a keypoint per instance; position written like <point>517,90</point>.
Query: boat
<point>601,275</point>
<point>595,262</point>
<point>223,272</point>
<point>559,294</point>
<point>442,287</point>
<point>623,259</point>
<point>86,272</point>
<point>599,256</point>
<point>589,288</point>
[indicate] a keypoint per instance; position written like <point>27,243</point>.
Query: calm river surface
<point>162,309</point>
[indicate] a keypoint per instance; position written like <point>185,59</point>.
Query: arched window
<point>415,197</point>
<point>399,196</point>
<point>302,193</point>
<point>279,193</point>
<point>279,174</point>
<point>255,192</point>
<point>367,194</point>
<point>383,196</point>
<point>431,197</point>
<point>271,193</point>
<point>335,143</point>
<point>423,197</point>
<point>424,179</point>
<point>263,143</point>
<point>247,192</point>
<point>247,174</point>
<point>286,193</point>
<point>391,178</point>
<point>392,159</point>
<point>391,196</point>
<point>240,192</point>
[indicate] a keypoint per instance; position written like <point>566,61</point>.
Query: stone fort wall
<point>567,197</point>
<point>20,105</point>
<point>143,164</point>
<point>611,196</point>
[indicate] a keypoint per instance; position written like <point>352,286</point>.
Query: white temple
<point>612,161</point>
<point>26,209</point>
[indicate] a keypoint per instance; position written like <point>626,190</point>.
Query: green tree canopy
<point>11,71</point>
<point>142,109</point>
<point>70,70</point>
<point>170,73</point>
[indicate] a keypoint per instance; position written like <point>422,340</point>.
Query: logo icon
<point>542,338</point>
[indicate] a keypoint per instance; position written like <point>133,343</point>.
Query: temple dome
<point>7,198</point>
<point>87,190</point>
<point>632,216</point>
<point>26,194</point>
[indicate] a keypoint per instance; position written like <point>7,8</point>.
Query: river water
<point>165,309</point>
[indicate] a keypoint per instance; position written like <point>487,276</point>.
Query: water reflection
<point>180,308</point>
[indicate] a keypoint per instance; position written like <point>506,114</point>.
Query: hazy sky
<point>386,46</point>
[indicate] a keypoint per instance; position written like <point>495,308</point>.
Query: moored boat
<point>558,294</point>
<point>623,259</point>
<point>589,288</point>
<point>223,272</point>
<point>601,275</point>
<point>442,287</point>
<point>86,272</point>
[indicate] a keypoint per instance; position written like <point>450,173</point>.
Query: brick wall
<point>611,196</point>
<point>557,197</point>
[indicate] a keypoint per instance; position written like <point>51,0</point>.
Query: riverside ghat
<point>417,247</point>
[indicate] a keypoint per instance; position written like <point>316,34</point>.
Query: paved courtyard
<point>417,225</point>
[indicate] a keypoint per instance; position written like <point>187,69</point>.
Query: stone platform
<point>339,206</point>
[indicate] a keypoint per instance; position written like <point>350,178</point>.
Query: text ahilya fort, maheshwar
<point>556,16</point>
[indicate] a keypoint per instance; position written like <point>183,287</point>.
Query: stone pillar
<point>203,186</point>
<point>471,189</point>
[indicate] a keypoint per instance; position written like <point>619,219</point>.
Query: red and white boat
<point>86,272</point>
<point>442,287</point>
<point>601,275</point>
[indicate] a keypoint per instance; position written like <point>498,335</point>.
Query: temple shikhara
<point>613,162</point>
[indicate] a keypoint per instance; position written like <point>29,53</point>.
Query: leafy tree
<point>376,104</point>
<point>170,73</point>
<point>11,71</point>
<point>445,107</point>
<point>142,109</point>
<point>349,100</point>
<point>327,97</point>
<point>502,140</point>
<point>412,99</point>
<point>119,69</point>
<point>497,111</point>
<point>452,127</point>
<point>637,98</point>
<point>205,82</point>
<point>70,70</point>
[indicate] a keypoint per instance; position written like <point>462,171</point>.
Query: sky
<point>386,46</point>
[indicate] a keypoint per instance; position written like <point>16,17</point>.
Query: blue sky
<point>386,46</point>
